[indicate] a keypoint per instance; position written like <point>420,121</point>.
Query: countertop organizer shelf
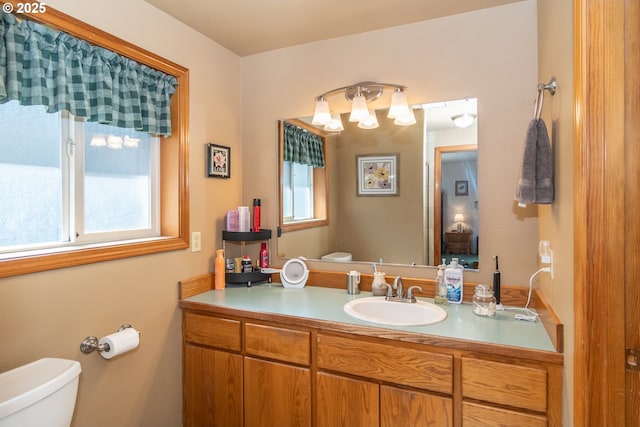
<point>241,238</point>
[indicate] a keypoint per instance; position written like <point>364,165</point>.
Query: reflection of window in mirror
<point>303,177</point>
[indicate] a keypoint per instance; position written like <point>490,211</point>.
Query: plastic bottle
<point>256,215</point>
<point>264,255</point>
<point>441,286</point>
<point>243,219</point>
<point>453,280</point>
<point>219,270</point>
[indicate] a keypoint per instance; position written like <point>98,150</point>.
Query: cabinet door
<point>345,402</point>
<point>212,388</point>
<point>475,415</point>
<point>400,407</point>
<point>276,395</point>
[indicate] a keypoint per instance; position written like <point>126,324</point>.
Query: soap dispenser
<point>441,286</point>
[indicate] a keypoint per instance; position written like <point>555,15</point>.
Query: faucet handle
<point>410,291</point>
<point>389,290</point>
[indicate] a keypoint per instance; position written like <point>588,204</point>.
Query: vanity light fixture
<point>463,120</point>
<point>359,94</point>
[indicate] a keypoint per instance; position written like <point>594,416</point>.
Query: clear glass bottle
<point>484,302</point>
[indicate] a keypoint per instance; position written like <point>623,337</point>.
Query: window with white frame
<point>297,191</point>
<point>65,181</point>
<point>63,201</point>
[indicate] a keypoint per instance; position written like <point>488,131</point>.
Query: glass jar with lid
<point>484,302</point>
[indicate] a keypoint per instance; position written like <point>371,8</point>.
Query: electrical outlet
<point>546,254</point>
<point>196,243</point>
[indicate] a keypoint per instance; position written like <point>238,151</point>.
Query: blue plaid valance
<point>42,66</point>
<point>301,146</point>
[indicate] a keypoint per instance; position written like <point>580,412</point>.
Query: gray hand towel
<point>536,179</point>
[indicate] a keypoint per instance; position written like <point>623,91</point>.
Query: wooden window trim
<point>320,183</point>
<point>174,155</point>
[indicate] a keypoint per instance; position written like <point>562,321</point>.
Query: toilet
<point>41,393</point>
<point>337,256</point>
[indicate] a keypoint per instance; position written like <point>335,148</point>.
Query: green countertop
<point>326,304</point>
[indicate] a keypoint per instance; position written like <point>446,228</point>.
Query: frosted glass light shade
<point>335,124</point>
<point>371,122</point>
<point>321,116</point>
<point>114,142</point>
<point>359,110</point>
<point>399,106</point>
<point>131,142</point>
<point>406,119</point>
<point>98,140</point>
<point>463,120</point>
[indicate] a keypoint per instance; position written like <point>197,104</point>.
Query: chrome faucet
<point>398,286</point>
<point>399,296</point>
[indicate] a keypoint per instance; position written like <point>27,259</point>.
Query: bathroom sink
<point>378,310</point>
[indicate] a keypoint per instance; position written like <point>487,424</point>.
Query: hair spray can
<point>256,215</point>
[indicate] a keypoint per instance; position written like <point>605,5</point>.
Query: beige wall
<point>555,53</point>
<point>48,314</point>
<point>488,54</point>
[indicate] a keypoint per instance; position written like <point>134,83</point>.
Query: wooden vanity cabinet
<point>276,393</point>
<point>242,371</point>
<point>212,372</point>
<point>497,393</point>
<point>386,368</point>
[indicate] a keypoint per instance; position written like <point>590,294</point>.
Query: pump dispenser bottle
<point>441,286</point>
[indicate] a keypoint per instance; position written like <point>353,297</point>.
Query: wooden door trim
<point>437,203</point>
<point>599,374</point>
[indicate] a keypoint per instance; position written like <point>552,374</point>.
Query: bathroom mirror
<point>431,214</point>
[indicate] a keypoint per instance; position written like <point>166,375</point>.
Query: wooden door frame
<point>437,188</point>
<point>599,212</point>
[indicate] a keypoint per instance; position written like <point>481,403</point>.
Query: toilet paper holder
<point>92,343</point>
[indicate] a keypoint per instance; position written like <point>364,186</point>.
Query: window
<point>297,191</point>
<point>304,188</point>
<point>66,181</point>
<point>158,169</point>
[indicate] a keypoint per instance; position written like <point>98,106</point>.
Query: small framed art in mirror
<point>377,175</point>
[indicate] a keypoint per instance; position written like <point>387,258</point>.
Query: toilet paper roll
<point>120,342</point>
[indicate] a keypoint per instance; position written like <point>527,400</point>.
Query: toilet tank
<point>41,393</point>
<point>337,256</point>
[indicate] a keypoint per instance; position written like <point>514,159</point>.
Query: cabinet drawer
<point>212,331</point>
<point>474,415</point>
<point>386,362</point>
<point>283,344</point>
<point>506,384</point>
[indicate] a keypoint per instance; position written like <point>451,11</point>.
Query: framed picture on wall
<point>218,161</point>
<point>377,175</point>
<point>462,188</point>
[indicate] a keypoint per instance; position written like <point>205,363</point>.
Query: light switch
<point>196,244</point>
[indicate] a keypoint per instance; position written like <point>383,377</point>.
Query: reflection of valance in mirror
<point>301,146</point>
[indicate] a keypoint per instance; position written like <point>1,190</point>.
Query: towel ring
<point>551,87</point>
